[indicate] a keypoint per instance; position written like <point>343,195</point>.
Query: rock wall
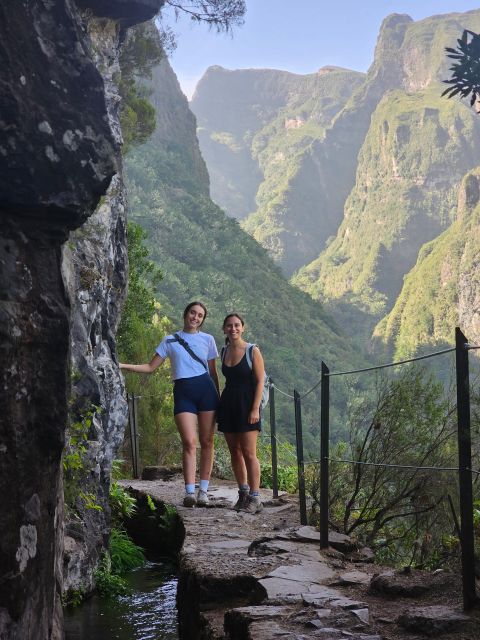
<point>59,153</point>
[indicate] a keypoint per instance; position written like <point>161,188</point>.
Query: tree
<point>400,511</point>
<point>220,14</point>
<point>465,78</point>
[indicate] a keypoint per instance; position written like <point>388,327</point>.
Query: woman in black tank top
<point>238,414</point>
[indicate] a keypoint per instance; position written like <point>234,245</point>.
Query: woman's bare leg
<point>187,428</point>
<point>236,456</point>
<point>206,429</point>
<point>248,444</point>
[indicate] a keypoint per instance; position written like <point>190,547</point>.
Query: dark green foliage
<point>140,331</point>
<point>465,78</point>
<point>122,503</point>
<point>76,471</point>
<point>140,53</point>
<point>124,554</point>
<point>139,307</point>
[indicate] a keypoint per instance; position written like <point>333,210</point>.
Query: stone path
<point>264,577</point>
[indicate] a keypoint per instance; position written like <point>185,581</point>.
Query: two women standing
<point>192,355</point>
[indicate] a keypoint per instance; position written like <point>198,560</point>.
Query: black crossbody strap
<point>185,345</point>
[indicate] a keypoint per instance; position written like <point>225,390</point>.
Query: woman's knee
<point>250,456</point>
<point>189,445</point>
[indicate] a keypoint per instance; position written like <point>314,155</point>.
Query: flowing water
<point>148,612</point>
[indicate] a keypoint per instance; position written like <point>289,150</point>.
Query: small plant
<point>89,501</point>
<point>108,583</point>
<point>150,503</point>
<point>287,478</point>
<point>73,597</point>
<point>122,504</point>
<point>167,519</point>
<point>75,462</point>
<point>124,554</point>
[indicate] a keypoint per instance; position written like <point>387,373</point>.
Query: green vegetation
<point>141,329</point>
<point>265,162</point>
<point>402,513</point>
<point>403,198</point>
<point>122,554</point>
<point>139,54</point>
<point>76,469</point>
<point>432,302</point>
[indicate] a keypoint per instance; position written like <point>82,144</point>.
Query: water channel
<point>147,612</point>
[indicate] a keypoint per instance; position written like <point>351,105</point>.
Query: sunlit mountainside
<point>364,171</point>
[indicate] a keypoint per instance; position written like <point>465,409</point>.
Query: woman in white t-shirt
<point>192,356</point>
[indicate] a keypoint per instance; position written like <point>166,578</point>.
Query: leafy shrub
<point>124,553</point>
<point>122,504</point>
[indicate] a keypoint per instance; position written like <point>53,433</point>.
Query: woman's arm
<point>149,367</point>
<point>212,368</point>
<point>258,369</point>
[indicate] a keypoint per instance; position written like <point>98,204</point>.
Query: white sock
<point>203,486</point>
<point>190,488</point>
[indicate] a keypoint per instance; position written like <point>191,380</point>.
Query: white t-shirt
<point>183,365</point>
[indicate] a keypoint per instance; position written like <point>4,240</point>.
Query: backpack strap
<point>249,353</point>
<point>223,353</point>
<point>186,346</point>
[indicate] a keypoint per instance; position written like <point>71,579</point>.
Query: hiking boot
<point>189,500</point>
<point>242,501</point>
<point>254,505</point>
<point>202,499</point>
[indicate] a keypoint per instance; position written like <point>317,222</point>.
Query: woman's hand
<point>254,416</point>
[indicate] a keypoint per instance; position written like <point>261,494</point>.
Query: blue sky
<point>296,35</point>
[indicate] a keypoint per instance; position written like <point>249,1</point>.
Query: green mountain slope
<point>443,289</point>
<point>261,134</point>
<point>417,149</point>
<point>204,254</point>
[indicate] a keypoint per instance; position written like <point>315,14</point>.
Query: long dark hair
<point>232,315</point>
<point>192,304</point>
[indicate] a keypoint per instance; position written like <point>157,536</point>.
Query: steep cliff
<point>443,289</point>
<point>417,148</point>
<point>262,133</point>
<point>59,151</point>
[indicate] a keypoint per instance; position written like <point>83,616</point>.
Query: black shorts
<point>193,395</point>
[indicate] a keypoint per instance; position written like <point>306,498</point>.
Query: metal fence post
<point>324,454</point>
<point>273,440</point>
<point>465,474</point>
<point>133,441</point>
<point>300,463</point>
<point>137,437</point>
